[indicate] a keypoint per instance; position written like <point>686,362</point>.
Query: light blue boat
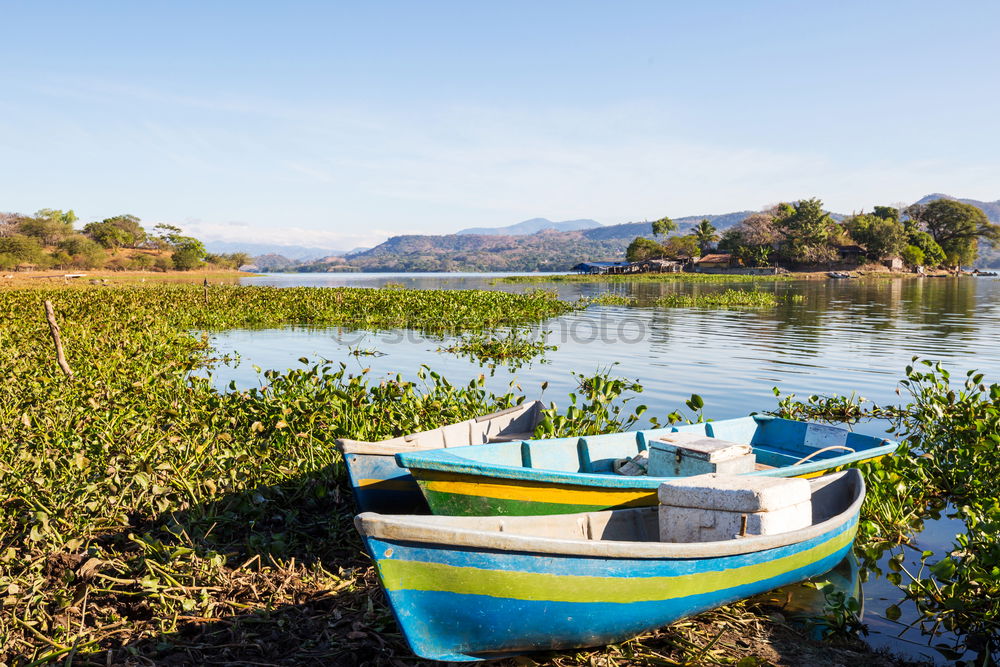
<point>476,588</point>
<point>382,486</point>
<point>565,475</point>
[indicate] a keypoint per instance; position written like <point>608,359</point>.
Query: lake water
<point>840,337</point>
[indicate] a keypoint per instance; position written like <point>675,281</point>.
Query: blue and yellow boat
<point>382,486</point>
<point>565,475</point>
<point>475,588</point>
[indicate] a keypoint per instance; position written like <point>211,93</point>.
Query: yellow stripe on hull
<point>551,492</point>
<point>538,586</point>
<point>542,492</point>
<point>387,484</point>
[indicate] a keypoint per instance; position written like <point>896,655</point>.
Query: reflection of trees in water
<point>949,306</point>
<point>902,309</point>
<point>947,303</point>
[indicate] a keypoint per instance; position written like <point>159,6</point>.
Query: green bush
<point>186,259</point>
<point>141,263</point>
<point>913,256</point>
<point>25,249</point>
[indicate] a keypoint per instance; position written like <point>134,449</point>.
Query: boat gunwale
<point>401,443</point>
<point>421,529</point>
<point>445,461</point>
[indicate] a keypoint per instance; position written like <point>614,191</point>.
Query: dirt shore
<point>102,276</point>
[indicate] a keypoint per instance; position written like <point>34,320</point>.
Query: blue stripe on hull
<point>462,628</point>
<point>396,492</point>
<point>591,567</point>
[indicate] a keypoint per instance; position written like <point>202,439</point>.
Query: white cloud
<point>237,231</point>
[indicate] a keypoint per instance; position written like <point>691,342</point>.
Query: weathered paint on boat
<point>473,588</point>
<point>564,475</point>
<point>380,485</point>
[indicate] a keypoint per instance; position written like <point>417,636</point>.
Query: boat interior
<point>776,443</point>
<point>831,495</point>
<point>510,425</point>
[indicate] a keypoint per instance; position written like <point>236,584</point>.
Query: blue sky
<point>338,124</point>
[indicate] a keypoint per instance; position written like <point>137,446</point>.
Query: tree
<point>86,252</point>
<point>886,213</point>
<point>881,236</point>
<point>933,254</point>
<point>48,225</point>
<point>752,240</point>
<point>913,255</point>
<point>663,226</point>
<point>681,247</point>
<point>705,234</point>
<point>759,229</point>
<point>755,255</point>
<point>106,234</point>
<point>9,223</point>
<point>807,229</point>
<point>24,249</point>
<point>957,227</point>
<point>228,261</point>
<point>120,231</point>
<point>188,252</point>
<point>641,249</point>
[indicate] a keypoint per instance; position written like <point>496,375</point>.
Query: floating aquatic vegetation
<point>730,298</point>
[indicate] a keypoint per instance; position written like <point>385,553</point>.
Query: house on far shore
<point>850,253</point>
<point>894,263</point>
<point>659,266</point>
<point>603,267</point>
<point>713,262</point>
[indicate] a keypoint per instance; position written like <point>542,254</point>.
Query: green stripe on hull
<point>545,586</point>
<point>453,504</point>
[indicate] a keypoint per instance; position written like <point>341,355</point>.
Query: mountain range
<point>547,248</point>
<point>291,252</point>
<point>990,208</point>
<point>532,226</point>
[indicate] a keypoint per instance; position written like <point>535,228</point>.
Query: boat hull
<point>457,494</point>
<point>459,604</point>
<point>568,475</point>
<point>380,485</point>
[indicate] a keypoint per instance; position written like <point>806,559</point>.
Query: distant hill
<point>546,250</point>
<point>257,249</point>
<point>990,208</point>
<point>532,226</point>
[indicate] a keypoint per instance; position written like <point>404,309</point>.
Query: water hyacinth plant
<point>514,348</point>
<point>730,298</point>
<point>948,463</point>
<point>137,497</point>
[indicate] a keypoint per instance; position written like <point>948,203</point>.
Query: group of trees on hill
<point>49,240</point>
<point>943,232</point>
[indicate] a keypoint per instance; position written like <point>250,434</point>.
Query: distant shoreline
<point>49,278</point>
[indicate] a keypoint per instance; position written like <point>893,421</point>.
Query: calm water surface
<point>840,337</point>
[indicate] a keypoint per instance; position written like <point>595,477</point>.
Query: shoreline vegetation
<point>49,239</point>
<point>48,279</point>
<point>149,516</point>
<point>796,236</point>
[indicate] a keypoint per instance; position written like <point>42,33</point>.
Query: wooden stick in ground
<point>206,291</point>
<point>50,314</point>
